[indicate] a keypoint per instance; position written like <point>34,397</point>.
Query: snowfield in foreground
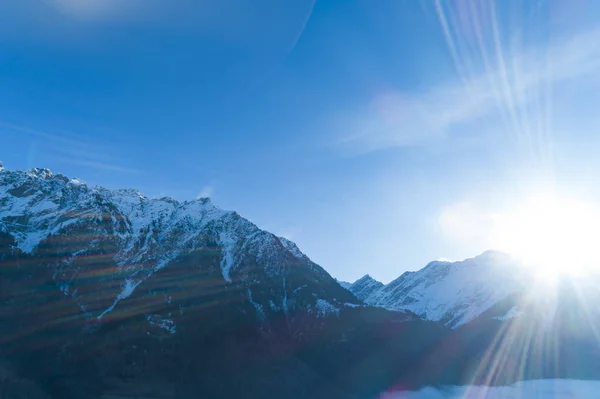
<point>543,389</point>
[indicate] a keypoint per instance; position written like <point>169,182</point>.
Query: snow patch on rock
<point>127,290</point>
<point>511,314</point>
<point>260,313</point>
<point>228,244</point>
<point>292,247</point>
<point>324,308</point>
<point>166,324</point>
<point>555,389</point>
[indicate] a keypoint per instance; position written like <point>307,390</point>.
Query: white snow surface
<point>534,389</point>
<point>128,289</point>
<point>325,308</point>
<point>260,313</point>
<point>364,287</point>
<point>292,247</point>
<point>512,313</point>
<point>456,292</point>
<point>166,324</point>
<point>227,241</point>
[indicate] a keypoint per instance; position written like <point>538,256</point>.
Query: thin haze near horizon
<point>378,136</point>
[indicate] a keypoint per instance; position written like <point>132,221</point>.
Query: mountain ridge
<point>454,293</point>
<point>145,234</point>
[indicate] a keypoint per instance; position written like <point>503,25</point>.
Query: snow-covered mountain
<point>113,294</point>
<point>136,237</point>
<point>364,287</point>
<point>69,226</point>
<point>507,322</point>
<point>453,293</point>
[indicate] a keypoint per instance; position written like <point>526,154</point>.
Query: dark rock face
<point>13,386</point>
<point>219,348</point>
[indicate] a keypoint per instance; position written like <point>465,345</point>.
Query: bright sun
<point>552,235</point>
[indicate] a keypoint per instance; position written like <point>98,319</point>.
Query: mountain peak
<point>364,286</point>
<point>203,200</point>
<point>367,277</point>
<point>44,173</point>
<point>452,292</point>
<point>41,211</point>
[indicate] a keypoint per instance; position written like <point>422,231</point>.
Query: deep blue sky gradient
<point>260,104</point>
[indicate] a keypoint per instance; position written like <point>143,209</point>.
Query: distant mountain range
<point>108,292</point>
<point>453,293</point>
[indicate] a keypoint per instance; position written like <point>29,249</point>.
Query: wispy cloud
<point>508,81</point>
<point>58,138</point>
<point>100,165</point>
<point>467,223</point>
<point>537,225</point>
<point>102,9</point>
<point>206,192</point>
<point>69,149</point>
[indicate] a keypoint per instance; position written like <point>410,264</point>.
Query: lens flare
<point>552,235</point>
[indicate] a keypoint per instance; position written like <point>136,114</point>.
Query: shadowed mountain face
<point>110,292</point>
<point>216,346</point>
<point>106,292</point>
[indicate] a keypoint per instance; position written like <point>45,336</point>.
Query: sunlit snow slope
<point>450,292</point>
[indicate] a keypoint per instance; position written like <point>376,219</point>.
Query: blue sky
<point>378,135</point>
